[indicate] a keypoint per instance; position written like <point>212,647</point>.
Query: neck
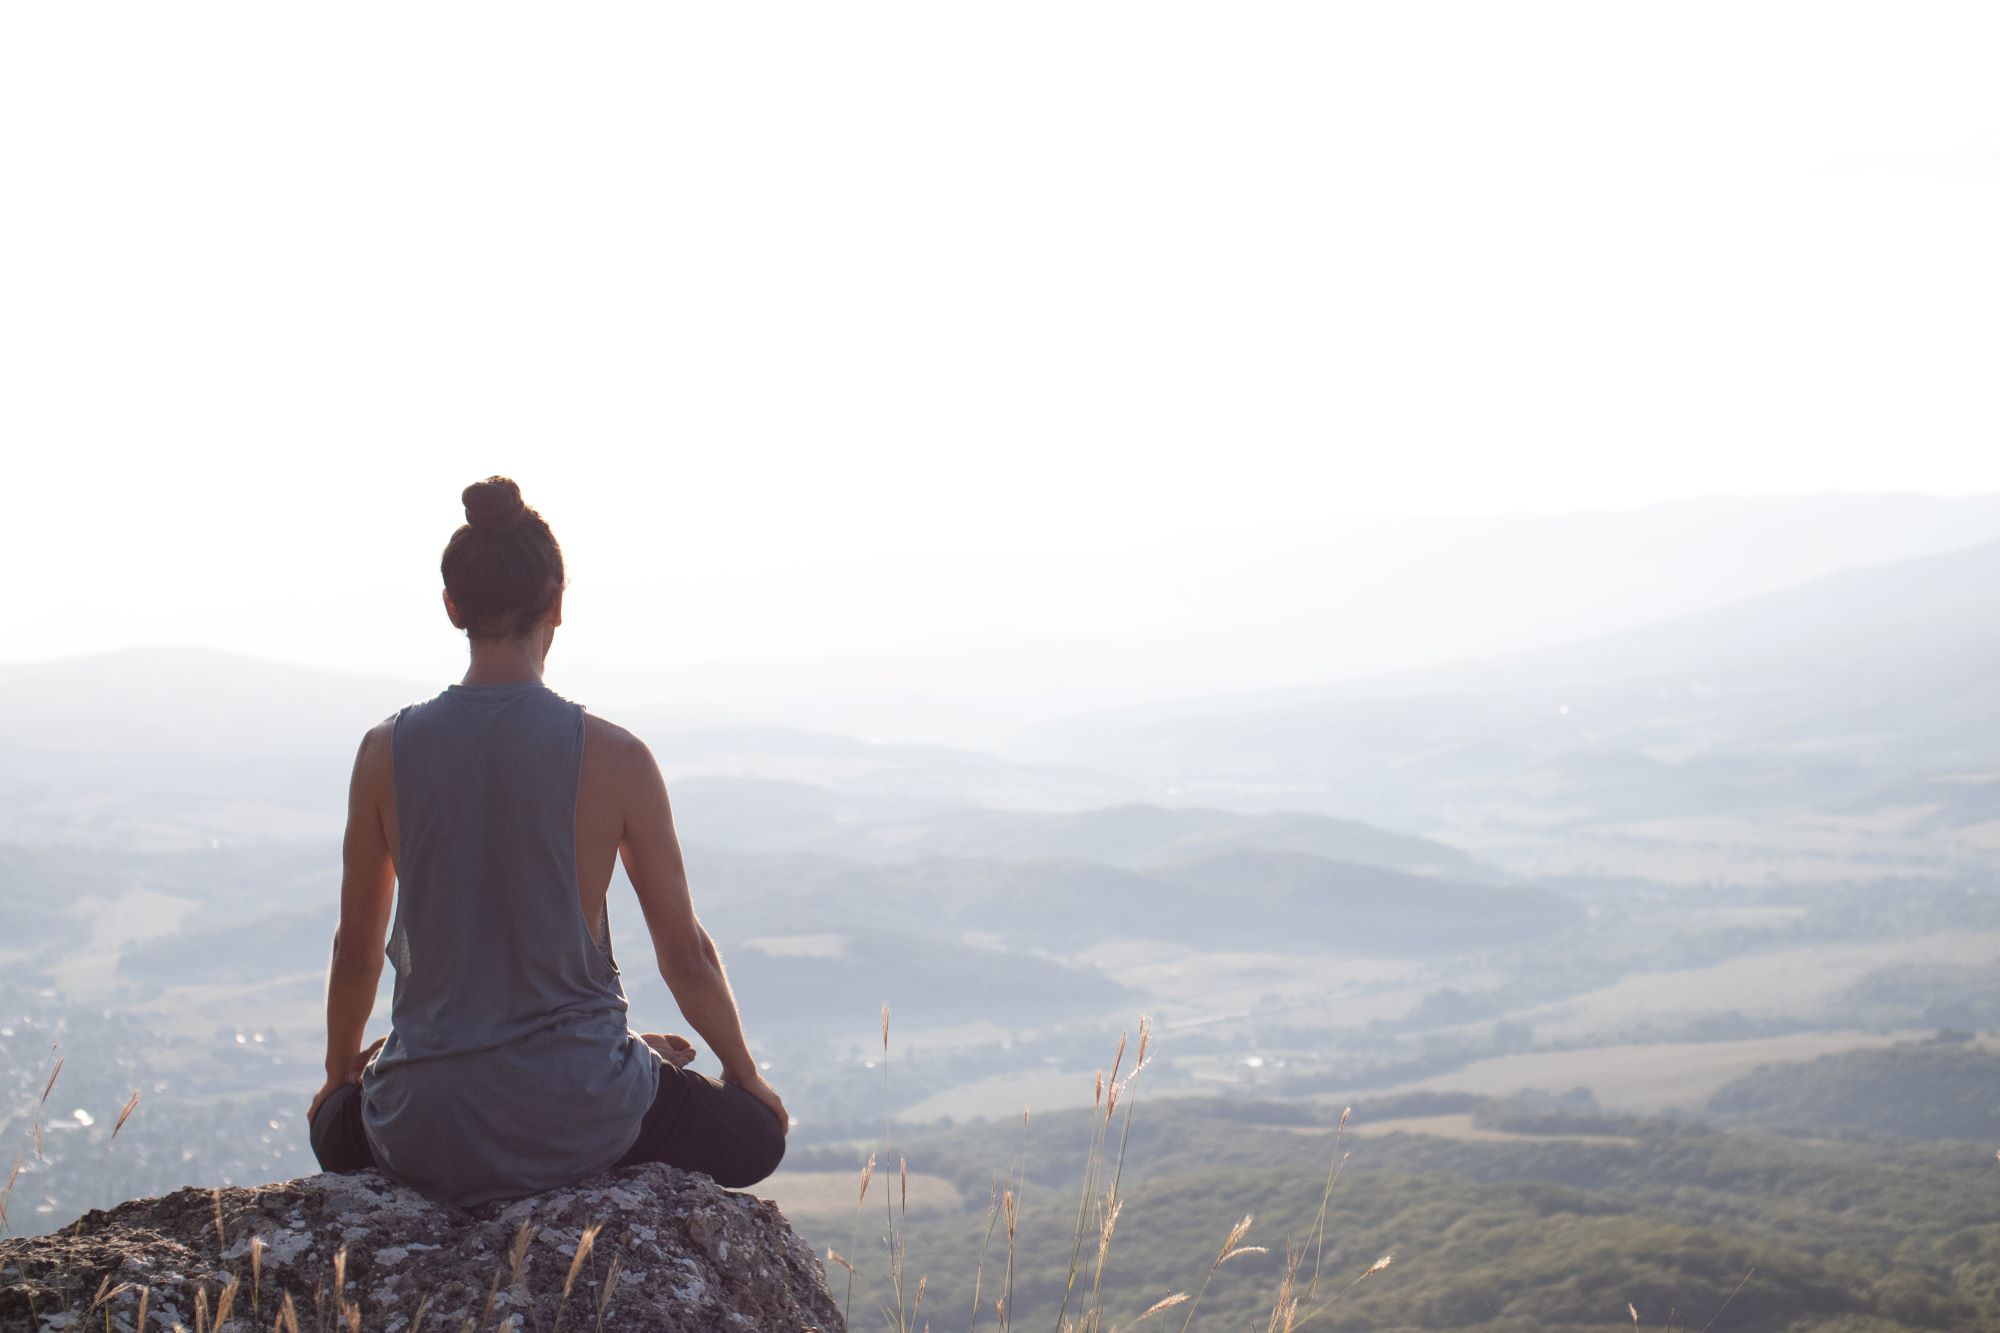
<point>505,661</point>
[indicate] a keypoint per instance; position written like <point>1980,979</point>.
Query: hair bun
<point>493,503</point>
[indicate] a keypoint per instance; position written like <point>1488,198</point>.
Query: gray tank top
<point>510,1068</point>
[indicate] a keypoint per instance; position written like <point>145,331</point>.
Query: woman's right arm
<point>687,956</point>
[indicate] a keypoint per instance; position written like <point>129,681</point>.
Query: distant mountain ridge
<point>1805,699</point>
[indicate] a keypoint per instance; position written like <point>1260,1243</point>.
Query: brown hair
<point>503,567</point>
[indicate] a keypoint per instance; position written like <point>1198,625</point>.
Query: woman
<point>499,807</point>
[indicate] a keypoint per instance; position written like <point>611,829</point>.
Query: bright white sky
<point>807,325</point>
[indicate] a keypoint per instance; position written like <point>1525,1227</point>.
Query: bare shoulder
<point>623,754</point>
<point>373,758</point>
<point>373,787</point>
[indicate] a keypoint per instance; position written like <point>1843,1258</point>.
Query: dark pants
<point>694,1123</point>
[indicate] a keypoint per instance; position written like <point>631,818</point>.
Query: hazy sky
<point>749,298</point>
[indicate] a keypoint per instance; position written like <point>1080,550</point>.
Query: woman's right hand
<point>754,1084</point>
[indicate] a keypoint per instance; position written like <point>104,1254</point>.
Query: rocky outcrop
<point>648,1247</point>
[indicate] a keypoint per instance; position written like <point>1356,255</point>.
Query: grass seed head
<point>517,1253</point>
<point>131,1105</point>
<point>1167,1304</point>
<point>583,1244</point>
<point>7,1191</point>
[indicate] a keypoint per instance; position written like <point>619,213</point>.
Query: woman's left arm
<point>367,897</point>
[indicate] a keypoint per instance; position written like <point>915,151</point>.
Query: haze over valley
<point>1695,872</point>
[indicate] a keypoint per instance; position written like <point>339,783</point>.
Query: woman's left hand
<point>676,1050</point>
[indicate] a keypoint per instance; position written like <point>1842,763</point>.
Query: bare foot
<point>676,1050</point>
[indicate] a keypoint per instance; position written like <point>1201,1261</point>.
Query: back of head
<point>503,568</point>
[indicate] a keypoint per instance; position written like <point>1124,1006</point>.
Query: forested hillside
<point>1519,1232</point>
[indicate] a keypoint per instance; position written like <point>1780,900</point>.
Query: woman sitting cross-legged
<point>489,819</point>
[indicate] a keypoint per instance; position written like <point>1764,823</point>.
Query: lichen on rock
<point>668,1249</point>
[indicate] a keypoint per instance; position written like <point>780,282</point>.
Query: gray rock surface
<point>674,1250</point>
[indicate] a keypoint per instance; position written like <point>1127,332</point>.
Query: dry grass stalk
<point>584,1243</point>
<point>287,1320</point>
<point>517,1254</point>
<point>583,1246</point>
<point>1166,1304</point>
<point>603,1297</point>
<point>1113,1202</point>
<point>131,1105</point>
<point>1725,1305</point>
<point>7,1192</point>
<point>1093,1165</point>
<point>221,1242</point>
<point>1285,1309</point>
<point>854,1234</point>
<point>423,1308</point>
<point>896,1239</point>
<point>1222,1256</point>
<point>49,1086</point>
<point>1013,1206</point>
<point>1329,1302</point>
<point>257,1276</point>
<point>1318,1232</point>
<point>146,1298</point>
<point>201,1310</point>
<point>1006,1301</point>
<point>226,1302</point>
<point>979,1269</point>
